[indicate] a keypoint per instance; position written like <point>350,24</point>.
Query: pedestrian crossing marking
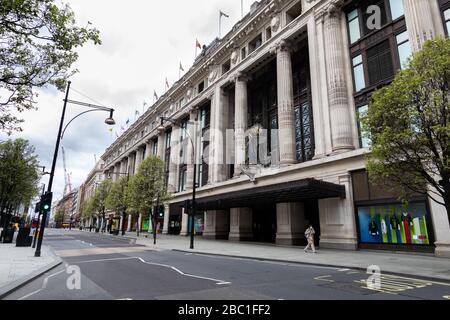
<point>394,285</point>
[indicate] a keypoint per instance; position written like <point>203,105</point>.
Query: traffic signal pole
<point>49,196</point>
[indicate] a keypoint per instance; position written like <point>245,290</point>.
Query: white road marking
<point>343,270</point>
<point>30,294</point>
<point>103,260</point>
<point>322,278</point>
<point>44,285</point>
<point>218,282</point>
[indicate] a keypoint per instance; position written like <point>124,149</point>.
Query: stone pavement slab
<point>420,265</point>
<point>19,266</point>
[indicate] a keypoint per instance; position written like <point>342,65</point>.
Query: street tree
<point>19,176</point>
<point>148,189</point>
<point>88,210</point>
<point>99,200</point>
<point>408,124</point>
<point>59,218</point>
<point>38,40</point>
<point>118,198</point>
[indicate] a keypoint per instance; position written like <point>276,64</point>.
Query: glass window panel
<point>360,82</point>
<point>354,30</point>
<point>448,26</point>
<point>394,224</point>
<point>447,14</point>
<point>365,142</point>
<point>397,9</point>
<point>352,15</point>
<point>402,37</point>
<point>357,60</point>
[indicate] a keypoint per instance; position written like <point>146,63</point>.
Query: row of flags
<point>137,114</point>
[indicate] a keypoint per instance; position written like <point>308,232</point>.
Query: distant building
<point>87,191</point>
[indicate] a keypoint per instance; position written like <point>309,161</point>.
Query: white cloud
<point>143,42</point>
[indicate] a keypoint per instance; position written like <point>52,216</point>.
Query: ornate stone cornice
<point>284,45</point>
<point>334,8</point>
<point>241,76</point>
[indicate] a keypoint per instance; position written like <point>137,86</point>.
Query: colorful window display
<point>145,224</point>
<point>199,224</point>
<point>394,224</point>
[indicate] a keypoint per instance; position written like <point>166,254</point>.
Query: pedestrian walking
<point>309,234</point>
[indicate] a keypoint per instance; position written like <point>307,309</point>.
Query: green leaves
<point>19,174</point>
<point>408,123</point>
<point>118,196</point>
<point>38,41</point>
<point>147,187</point>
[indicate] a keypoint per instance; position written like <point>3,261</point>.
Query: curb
<point>14,286</point>
<point>419,277</point>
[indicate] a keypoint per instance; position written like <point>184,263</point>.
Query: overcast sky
<point>143,42</point>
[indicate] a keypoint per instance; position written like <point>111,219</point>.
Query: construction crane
<point>68,184</point>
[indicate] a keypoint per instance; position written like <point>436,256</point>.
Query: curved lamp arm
<point>83,113</point>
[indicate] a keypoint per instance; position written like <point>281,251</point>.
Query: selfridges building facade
<point>269,115</point>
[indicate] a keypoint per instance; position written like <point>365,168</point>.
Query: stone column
<point>337,218</point>
<point>139,158</point>
<point>174,159</point>
<point>340,117</point>
<point>129,223</point>
<point>121,222</point>
<point>219,120</point>
<point>216,225</point>
<point>166,219</point>
<point>419,20</point>
<point>290,223</point>
<point>184,224</point>
<point>140,223</point>
<point>117,170</point>
<point>286,115</point>
<point>441,226</point>
<point>241,122</point>
<point>126,165</point>
<point>148,150</point>
<point>190,158</point>
<point>241,224</point>
<point>318,85</point>
<point>122,168</point>
<point>132,162</point>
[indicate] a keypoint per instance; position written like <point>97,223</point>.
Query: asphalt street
<point>112,268</point>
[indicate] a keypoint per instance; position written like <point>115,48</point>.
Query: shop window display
<point>394,224</point>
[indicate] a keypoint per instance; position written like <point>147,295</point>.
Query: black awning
<point>296,191</point>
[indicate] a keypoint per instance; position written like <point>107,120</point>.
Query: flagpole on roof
<point>196,41</point>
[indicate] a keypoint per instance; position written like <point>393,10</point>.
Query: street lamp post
<point>193,205</point>
<point>108,121</point>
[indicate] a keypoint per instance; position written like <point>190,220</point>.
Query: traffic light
<point>187,206</point>
<point>161,212</point>
<point>46,202</point>
<point>37,209</point>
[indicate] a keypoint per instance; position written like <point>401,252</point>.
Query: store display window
<point>394,224</point>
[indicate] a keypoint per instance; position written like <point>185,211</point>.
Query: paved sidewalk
<point>417,265</point>
<point>18,266</point>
